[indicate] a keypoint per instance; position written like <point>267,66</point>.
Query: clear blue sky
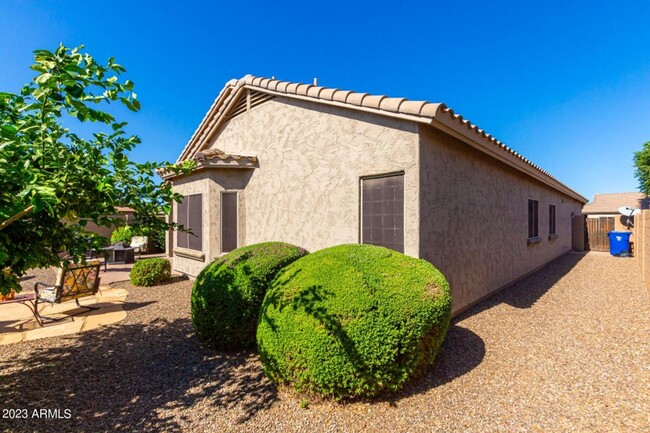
<point>566,84</point>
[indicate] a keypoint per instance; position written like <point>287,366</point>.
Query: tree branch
<point>19,215</point>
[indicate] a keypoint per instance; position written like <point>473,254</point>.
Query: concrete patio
<point>17,323</point>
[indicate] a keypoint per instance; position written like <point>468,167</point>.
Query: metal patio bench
<point>72,282</point>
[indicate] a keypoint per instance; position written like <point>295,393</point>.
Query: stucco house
<point>318,166</point>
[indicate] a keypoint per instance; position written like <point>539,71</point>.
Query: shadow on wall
<point>525,292</point>
<point>130,377</point>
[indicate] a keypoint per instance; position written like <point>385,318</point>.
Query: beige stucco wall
<point>474,218</point>
<point>306,188</point>
<point>108,231</point>
<point>210,184</point>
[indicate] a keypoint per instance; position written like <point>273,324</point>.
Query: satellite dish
<point>629,212</point>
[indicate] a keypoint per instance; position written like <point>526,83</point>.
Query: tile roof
<point>434,114</point>
<point>609,203</point>
<point>211,158</point>
<point>220,154</point>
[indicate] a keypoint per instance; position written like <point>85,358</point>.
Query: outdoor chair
<point>72,282</point>
<point>140,243</point>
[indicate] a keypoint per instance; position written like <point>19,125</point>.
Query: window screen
<point>551,219</point>
<point>181,219</point>
<point>382,211</point>
<point>533,221</point>
<point>228,221</point>
<point>190,215</point>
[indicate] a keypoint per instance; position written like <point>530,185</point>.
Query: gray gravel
<point>567,349</point>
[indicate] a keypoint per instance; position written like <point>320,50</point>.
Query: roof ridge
<point>420,111</point>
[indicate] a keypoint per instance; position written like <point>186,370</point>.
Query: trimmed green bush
<point>353,320</point>
<point>150,272</point>
<point>228,293</point>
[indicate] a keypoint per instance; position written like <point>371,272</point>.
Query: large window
<point>189,214</point>
<point>382,211</point>
<point>551,220</point>
<point>533,219</point>
<point>228,221</point>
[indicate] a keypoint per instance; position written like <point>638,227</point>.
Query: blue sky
<point>566,84</point>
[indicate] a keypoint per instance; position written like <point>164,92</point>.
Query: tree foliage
<point>53,178</point>
<point>642,168</point>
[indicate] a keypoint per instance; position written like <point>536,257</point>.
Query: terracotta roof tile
<point>436,114</point>
<point>220,154</point>
<point>411,107</point>
<point>356,98</point>
<point>391,104</point>
<point>282,86</point>
<point>314,91</point>
<point>327,94</point>
<point>341,95</point>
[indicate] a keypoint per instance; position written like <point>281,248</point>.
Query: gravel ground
<point>567,349</point>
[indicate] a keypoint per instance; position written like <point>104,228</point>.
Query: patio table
<point>119,255</point>
<point>26,299</point>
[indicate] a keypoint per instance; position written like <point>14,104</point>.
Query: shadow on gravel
<point>461,352</point>
<point>525,292</point>
<point>129,377</point>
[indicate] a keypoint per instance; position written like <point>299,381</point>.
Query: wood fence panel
<point>597,229</point>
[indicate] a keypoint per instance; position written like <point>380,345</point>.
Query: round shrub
<point>149,272</point>
<point>353,320</point>
<point>228,293</point>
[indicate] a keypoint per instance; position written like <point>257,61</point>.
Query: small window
<point>228,221</point>
<point>533,219</point>
<point>382,211</point>
<point>551,219</point>
<point>190,215</point>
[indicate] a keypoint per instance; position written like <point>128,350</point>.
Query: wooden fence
<point>642,244</point>
<point>597,229</point>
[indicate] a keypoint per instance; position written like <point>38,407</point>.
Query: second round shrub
<point>353,320</point>
<point>228,293</point>
<point>150,272</point>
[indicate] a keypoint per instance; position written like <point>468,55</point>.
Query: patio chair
<point>72,282</point>
<point>140,243</point>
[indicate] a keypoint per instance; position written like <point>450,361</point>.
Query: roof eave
<point>434,114</point>
<point>485,143</point>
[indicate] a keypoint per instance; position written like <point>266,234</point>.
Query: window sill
<point>535,240</point>
<point>189,254</point>
<point>552,237</point>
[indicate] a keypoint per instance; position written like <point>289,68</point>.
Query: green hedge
<point>227,294</point>
<point>150,272</point>
<point>353,320</point>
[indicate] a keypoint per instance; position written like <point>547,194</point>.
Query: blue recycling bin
<point>619,243</point>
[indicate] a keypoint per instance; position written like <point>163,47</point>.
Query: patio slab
<point>17,323</point>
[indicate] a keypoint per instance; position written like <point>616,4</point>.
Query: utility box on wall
<point>578,232</point>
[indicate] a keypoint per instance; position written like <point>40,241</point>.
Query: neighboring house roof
<point>609,203</point>
<point>229,102</point>
<point>124,209</point>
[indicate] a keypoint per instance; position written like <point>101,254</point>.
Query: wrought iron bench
<point>72,282</point>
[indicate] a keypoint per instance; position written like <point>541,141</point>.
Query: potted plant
<point>122,236</point>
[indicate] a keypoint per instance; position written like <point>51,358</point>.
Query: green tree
<point>53,180</point>
<point>642,168</point>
